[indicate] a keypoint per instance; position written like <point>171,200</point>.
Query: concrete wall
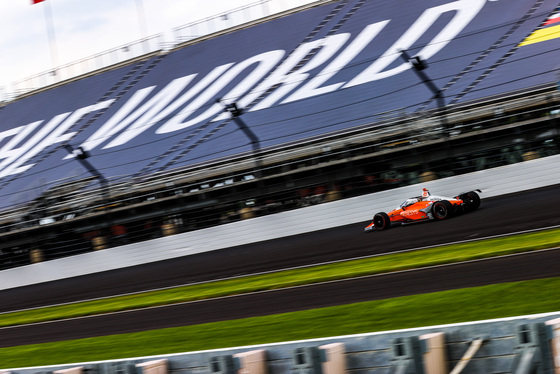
<point>493,182</point>
<point>366,353</point>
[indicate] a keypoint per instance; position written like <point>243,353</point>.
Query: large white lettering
<point>263,80</point>
<point>287,78</point>
<point>10,152</point>
<point>465,10</point>
<point>312,87</point>
<point>52,133</point>
<point>152,111</point>
<point>18,155</point>
<point>117,121</point>
<point>328,47</point>
<point>264,61</point>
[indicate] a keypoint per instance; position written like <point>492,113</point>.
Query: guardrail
<point>524,344</point>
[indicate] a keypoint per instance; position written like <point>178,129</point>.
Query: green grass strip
<point>469,304</point>
<point>347,269</point>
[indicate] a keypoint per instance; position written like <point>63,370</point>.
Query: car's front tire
<point>381,221</point>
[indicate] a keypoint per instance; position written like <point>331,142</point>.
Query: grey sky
<point>83,28</point>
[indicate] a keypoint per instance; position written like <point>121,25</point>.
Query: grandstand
<point>335,109</point>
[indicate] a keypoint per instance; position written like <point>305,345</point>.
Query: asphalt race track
<point>512,213</point>
<point>500,215</point>
<point>513,268</point>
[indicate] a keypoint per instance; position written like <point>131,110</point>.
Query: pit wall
<point>441,350</point>
<point>493,182</point>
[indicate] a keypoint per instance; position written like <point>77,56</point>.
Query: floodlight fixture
<point>418,63</point>
<point>82,155</point>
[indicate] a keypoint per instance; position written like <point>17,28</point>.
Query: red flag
<point>36,1</point>
<point>555,18</point>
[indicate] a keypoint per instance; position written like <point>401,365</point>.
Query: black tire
<point>381,221</point>
<point>472,200</point>
<point>442,210</point>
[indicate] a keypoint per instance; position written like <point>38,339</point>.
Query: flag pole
<point>142,21</point>
<point>141,18</point>
<point>51,36</point>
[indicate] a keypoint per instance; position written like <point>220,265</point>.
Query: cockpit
<point>410,201</point>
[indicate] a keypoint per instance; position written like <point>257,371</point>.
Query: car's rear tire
<point>442,210</point>
<point>381,221</point>
<point>473,200</point>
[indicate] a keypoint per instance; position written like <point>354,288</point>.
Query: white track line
<point>279,289</point>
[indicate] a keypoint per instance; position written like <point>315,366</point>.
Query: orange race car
<point>426,207</point>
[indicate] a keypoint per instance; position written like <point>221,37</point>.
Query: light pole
<point>255,142</point>
<point>419,66</point>
<point>82,155</point>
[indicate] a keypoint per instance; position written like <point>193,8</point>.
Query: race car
<point>426,207</point>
